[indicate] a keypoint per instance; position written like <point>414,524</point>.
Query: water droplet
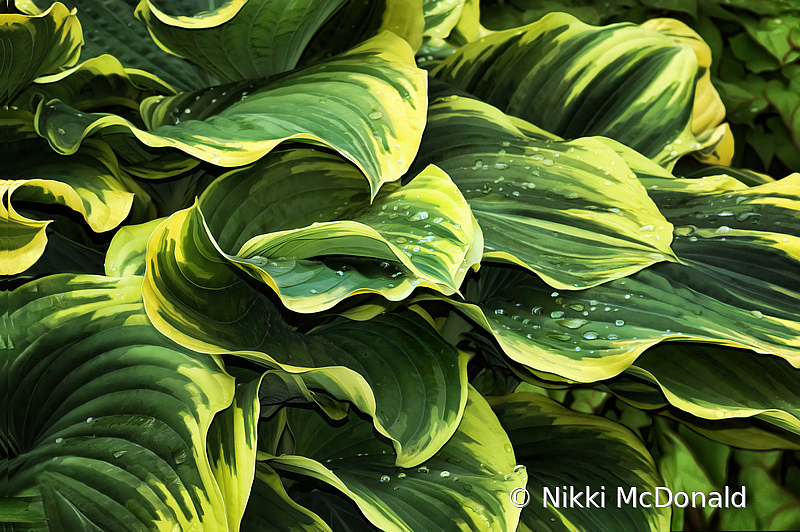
<point>415,249</point>
<point>61,131</point>
<point>401,475</point>
<point>627,296</point>
<point>619,323</point>
<point>648,227</point>
<point>561,337</point>
<point>313,291</point>
<point>612,337</point>
<point>576,306</point>
<point>419,216</point>
<point>757,314</point>
<point>385,478</point>
<point>119,454</point>
<point>499,311</point>
<point>556,314</point>
<point>590,335</point>
<point>573,323</point>
<point>537,311</point>
<point>444,474</point>
<point>59,440</point>
<point>722,229</point>
<point>423,469</point>
<point>437,220</point>
<point>339,273</point>
<point>508,448</point>
<point>401,240</point>
<point>375,115</point>
<point>89,419</point>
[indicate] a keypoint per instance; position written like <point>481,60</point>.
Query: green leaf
<point>270,509</point>
<point>94,84</point>
<point>329,243</point>
<point>239,40</point>
<point>596,333</point>
<point>467,482</point>
<point>717,383</point>
<point>118,436</point>
<point>570,211</point>
<point>126,254</point>
<point>231,446</point>
<point>368,104</point>
<point>88,182</point>
<point>109,27</point>
<point>199,298</point>
<point>36,44</point>
<point>691,463</point>
<point>574,80</point>
<point>561,447</point>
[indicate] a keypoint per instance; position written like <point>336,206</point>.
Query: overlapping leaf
<point>596,333</point>
<point>36,44</point>
<point>328,243</point>
<point>573,212</point>
<point>239,40</point>
<point>110,27</point>
<point>198,296</point>
<point>565,448</point>
<point>104,421</point>
<point>88,182</point>
<point>717,382</point>
<point>620,81</point>
<point>368,104</point>
<point>468,481</point>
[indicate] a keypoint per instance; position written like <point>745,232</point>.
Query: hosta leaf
<point>357,21</point>
<point>468,481</point>
<point>88,182</point>
<point>317,248</point>
<point>441,17</point>
<point>368,104</point>
<point>565,448</point>
<point>109,27</point>
<point>199,298</point>
<point>708,113</point>
<point>239,40</point>
<point>596,333</point>
<point>231,444</point>
<point>270,509</point>
<point>718,382</point>
<point>575,80</point>
<point>117,437</point>
<point>126,254</point>
<point>36,44</point>
<point>96,83</point>
<point>570,211</point>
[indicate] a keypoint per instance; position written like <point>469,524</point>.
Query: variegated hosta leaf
<point>98,82</point>
<point>441,16</point>
<point>718,382</point>
<point>368,104</point>
<point>357,21</point>
<point>231,446</point>
<point>110,27</point>
<point>465,486</point>
<point>573,212</point>
<point>711,131</point>
<point>575,80</point>
<point>88,182</point>
<point>127,250</point>
<point>199,298</point>
<point>596,333</point>
<point>561,448</point>
<point>36,44</point>
<point>747,239</point>
<point>329,243</point>
<point>238,40</point>
<point>117,438</point>
<point>270,509</point>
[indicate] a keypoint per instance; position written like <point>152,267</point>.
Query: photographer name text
<point>661,497</point>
